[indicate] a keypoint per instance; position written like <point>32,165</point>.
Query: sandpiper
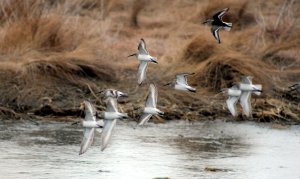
<point>113,93</point>
<point>234,94</point>
<point>217,23</point>
<point>89,123</point>
<point>150,106</point>
<point>110,118</point>
<point>181,83</point>
<point>247,88</point>
<point>144,58</point>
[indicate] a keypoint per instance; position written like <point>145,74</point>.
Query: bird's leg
<point>167,84</point>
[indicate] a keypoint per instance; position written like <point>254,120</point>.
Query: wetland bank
<point>55,54</point>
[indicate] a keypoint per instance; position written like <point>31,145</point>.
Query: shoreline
<point>263,111</point>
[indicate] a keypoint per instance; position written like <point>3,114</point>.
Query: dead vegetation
<point>222,71</point>
<point>42,60</point>
<point>137,7</point>
<point>54,54</point>
<point>199,49</point>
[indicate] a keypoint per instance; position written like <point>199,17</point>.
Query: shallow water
<point>175,149</point>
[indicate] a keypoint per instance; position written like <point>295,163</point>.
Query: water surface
<point>176,149</point>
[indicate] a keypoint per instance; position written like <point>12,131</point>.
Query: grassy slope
<point>54,54</point>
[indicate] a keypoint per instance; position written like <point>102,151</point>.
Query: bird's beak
<point>132,55</point>
<point>167,84</point>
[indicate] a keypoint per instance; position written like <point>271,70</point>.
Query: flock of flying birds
<point>107,120</point>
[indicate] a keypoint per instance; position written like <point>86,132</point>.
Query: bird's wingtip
<point>102,148</point>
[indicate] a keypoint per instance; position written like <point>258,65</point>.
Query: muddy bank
<point>55,55</point>
<point>282,107</point>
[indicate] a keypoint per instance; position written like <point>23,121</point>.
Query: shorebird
<point>113,93</point>
<point>150,106</point>
<point>181,83</point>
<point>217,23</point>
<point>144,57</point>
<point>89,123</point>
<point>111,115</point>
<point>234,94</point>
<point>247,88</point>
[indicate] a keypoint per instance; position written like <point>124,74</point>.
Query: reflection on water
<point>176,150</point>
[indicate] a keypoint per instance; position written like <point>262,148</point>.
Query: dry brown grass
<point>46,34</point>
<point>53,53</point>
<point>138,5</point>
<point>46,56</point>
<point>200,48</point>
<point>222,71</point>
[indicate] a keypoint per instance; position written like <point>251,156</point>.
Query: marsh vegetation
<point>55,54</point>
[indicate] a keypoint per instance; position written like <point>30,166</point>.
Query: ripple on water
<point>175,150</point>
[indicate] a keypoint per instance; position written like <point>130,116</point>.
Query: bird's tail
<point>192,90</point>
<point>258,91</point>
<point>161,113</point>
<point>228,27</point>
<point>124,116</point>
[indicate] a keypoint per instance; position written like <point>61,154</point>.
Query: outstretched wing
<point>87,140</point>
<point>246,103</point>
<point>220,14</point>
<point>246,79</point>
<point>142,47</point>
<point>181,78</point>
<point>142,71</point>
<point>152,96</point>
<point>90,111</point>
<point>109,125</point>
<point>111,105</point>
<point>215,32</point>
<point>231,104</point>
<point>144,119</point>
